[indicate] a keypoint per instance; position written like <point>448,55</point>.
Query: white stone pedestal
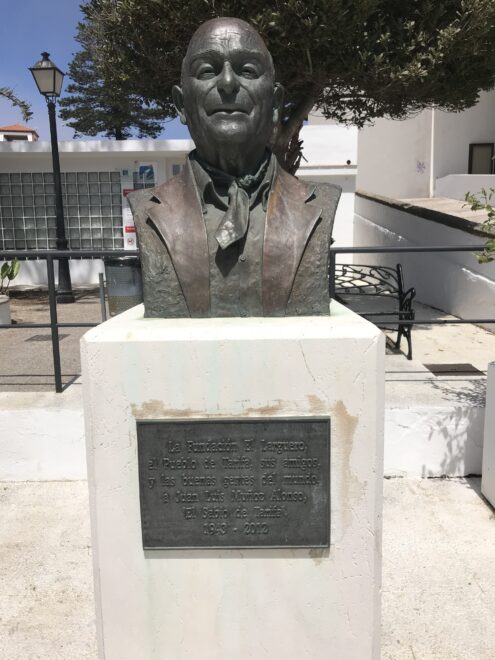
<point>488,465</point>
<point>206,604</point>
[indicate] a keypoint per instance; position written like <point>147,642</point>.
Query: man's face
<point>228,87</point>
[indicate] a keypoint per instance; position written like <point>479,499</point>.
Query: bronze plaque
<point>243,483</point>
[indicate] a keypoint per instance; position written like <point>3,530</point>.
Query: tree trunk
<point>119,135</point>
<point>287,145</point>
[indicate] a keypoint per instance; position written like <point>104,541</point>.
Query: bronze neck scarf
<point>243,193</point>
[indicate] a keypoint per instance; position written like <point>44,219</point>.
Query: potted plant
<point>8,271</point>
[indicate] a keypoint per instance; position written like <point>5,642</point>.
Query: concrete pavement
<point>46,582</point>
<point>438,578</point>
<point>26,358</point>
<point>26,362</point>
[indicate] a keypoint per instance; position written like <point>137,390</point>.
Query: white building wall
<point>95,156</point>
<point>83,273</point>
<point>451,281</point>
<point>343,230</point>
<point>327,149</point>
<point>316,117</point>
<point>454,131</point>
<point>329,146</point>
<point>405,159</point>
<point>394,157</point>
<point>456,186</point>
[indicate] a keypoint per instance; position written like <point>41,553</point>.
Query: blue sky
<point>27,28</point>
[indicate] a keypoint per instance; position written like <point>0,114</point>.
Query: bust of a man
<point>233,234</point>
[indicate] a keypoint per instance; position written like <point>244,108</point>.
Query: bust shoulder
<point>328,193</point>
<point>172,191</point>
<point>139,198</point>
<point>326,197</point>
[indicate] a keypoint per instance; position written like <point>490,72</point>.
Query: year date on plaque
<point>235,483</point>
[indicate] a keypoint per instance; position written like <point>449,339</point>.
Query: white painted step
<point>433,424</point>
<point>433,427</point>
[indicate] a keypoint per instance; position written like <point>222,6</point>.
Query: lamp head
<point>47,76</point>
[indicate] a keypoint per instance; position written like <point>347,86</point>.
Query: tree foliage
<point>484,201</point>
<point>96,103</point>
<point>355,60</point>
<point>8,94</point>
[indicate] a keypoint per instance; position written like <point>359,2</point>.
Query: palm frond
<point>23,106</point>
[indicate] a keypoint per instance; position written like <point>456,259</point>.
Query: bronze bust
<point>233,234</point>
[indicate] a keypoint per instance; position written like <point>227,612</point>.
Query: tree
<point>24,107</point>
<point>97,104</point>
<point>354,60</point>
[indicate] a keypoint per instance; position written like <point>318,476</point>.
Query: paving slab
<point>438,576</point>
<point>438,595</point>
<point>26,361</point>
<point>46,583</point>
<point>449,206</point>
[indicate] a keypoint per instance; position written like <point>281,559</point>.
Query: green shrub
<point>482,201</point>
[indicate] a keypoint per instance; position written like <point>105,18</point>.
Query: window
<point>92,208</point>
<point>144,176</point>
<point>11,138</point>
<point>481,158</point>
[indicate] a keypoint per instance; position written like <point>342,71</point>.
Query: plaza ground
<point>26,358</point>
<point>438,541</point>
<point>438,578</point>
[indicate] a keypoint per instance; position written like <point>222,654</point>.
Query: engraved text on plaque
<point>235,483</point>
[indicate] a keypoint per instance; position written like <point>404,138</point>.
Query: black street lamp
<point>49,79</point>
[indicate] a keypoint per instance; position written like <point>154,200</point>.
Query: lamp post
<point>49,79</point>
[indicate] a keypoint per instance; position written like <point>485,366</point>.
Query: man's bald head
<point>225,30</point>
<point>228,96</point>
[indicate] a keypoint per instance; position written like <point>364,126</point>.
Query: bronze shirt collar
<point>260,188</point>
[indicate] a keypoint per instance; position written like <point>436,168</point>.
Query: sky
<point>28,27</point>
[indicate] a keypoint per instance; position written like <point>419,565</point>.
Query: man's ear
<point>178,99</point>
<point>278,101</point>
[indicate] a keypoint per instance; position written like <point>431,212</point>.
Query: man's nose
<point>228,81</point>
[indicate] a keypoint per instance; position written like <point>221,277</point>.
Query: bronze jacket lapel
<point>177,217</point>
<point>289,223</point>
<point>175,213</point>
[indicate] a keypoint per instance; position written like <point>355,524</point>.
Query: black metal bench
<point>357,284</point>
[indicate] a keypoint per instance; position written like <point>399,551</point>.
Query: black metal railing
<point>54,325</point>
